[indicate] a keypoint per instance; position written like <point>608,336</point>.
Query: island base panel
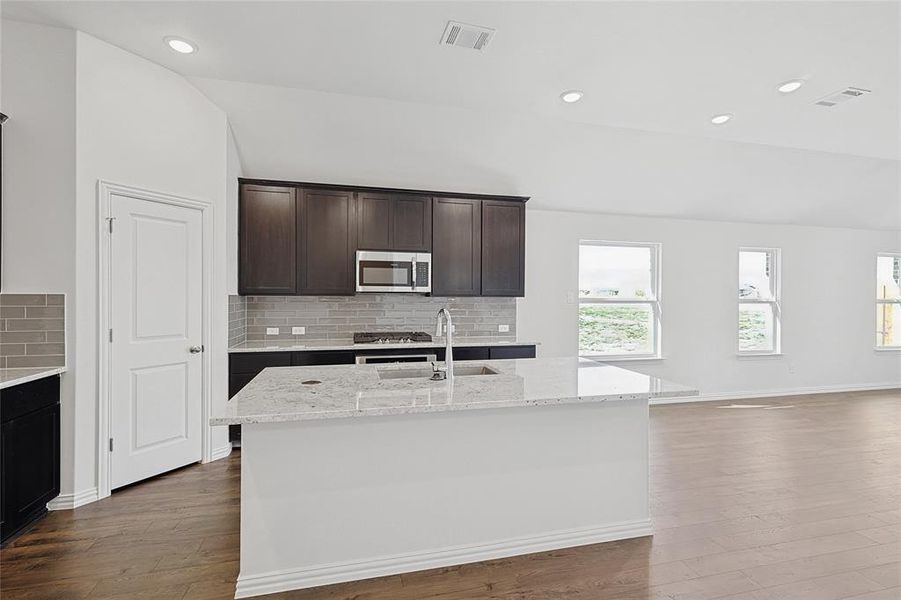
<point>329,501</point>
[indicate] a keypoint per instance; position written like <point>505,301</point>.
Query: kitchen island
<point>350,472</point>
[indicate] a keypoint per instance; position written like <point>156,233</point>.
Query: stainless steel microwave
<point>394,271</point>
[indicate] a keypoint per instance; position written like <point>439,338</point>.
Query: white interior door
<point>156,308</point>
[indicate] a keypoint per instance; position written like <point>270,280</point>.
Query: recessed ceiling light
<point>181,45</point>
<point>721,119</point>
<point>571,96</point>
<point>790,86</point>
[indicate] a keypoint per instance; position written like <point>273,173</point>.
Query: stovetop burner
<point>391,337</point>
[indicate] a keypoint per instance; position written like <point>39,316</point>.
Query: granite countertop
<point>11,377</point>
<point>316,345</point>
<point>277,394</point>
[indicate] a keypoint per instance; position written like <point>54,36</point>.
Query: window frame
<point>884,301</point>
<point>654,302</point>
<point>775,304</point>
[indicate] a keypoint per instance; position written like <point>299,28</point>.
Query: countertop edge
<point>419,410</point>
<point>41,374</point>
<point>440,408</point>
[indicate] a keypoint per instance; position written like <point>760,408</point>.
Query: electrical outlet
<point>570,297</point>
<point>298,330</point>
<point>272,331</point>
<point>503,328</point>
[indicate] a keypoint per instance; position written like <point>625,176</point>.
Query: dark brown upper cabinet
<point>374,223</point>
<point>456,247</point>
<point>503,248</point>
<point>301,238</point>
<point>267,234</point>
<point>326,220</point>
<point>397,222</point>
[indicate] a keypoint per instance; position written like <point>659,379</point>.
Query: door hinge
<point>111,444</point>
<point>111,336</point>
<point>110,220</point>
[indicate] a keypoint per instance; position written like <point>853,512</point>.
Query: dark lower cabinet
<point>29,453</point>
<point>507,352</point>
<point>456,247</point>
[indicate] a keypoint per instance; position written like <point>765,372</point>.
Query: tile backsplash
<point>32,330</point>
<point>237,320</point>
<point>338,317</point>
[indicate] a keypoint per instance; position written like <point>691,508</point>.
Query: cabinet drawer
<point>22,399</point>
<point>254,362</point>
<point>325,357</point>
<point>504,352</point>
<point>471,353</point>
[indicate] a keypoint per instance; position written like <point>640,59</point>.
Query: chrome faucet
<point>448,342</point>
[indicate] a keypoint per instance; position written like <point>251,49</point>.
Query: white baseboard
<point>221,452</point>
<point>70,501</point>
<point>829,389</point>
<point>282,581</point>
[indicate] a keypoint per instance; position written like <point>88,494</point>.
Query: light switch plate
<point>272,331</point>
<point>298,330</point>
<point>503,328</point>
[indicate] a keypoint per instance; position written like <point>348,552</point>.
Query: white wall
<point>142,125</point>
<point>82,110</point>
<point>38,94</point>
<point>233,171</point>
<point>828,300</point>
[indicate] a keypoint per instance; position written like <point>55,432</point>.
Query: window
<point>888,301</point>
<point>619,300</point>
<point>759,315</point>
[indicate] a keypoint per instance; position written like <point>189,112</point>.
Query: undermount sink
<point>423,373</point>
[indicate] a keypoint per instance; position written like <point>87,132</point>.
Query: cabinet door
<point>375,221</point>
<point>328,239</point>
<point>412,224</point>
<point>267,240</point>
<point>456,247</point>
<point>503,248</point>
<point>30,466</point>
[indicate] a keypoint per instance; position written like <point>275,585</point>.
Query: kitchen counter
<point>548,453</point>
<point>279,394</point>
<point>319,345</point>
<point>11,377</point>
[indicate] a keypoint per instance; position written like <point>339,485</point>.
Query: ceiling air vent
<point>463,35</point>
<point>849,93</point>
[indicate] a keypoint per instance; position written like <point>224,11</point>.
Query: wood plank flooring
<point>796,500</point>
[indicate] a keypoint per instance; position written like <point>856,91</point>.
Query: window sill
<point>758,355</point>
<point>887,349</point>
<point>622,358</point>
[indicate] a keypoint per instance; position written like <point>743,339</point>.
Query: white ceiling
<point>302,135</point>
<point>655,66</point>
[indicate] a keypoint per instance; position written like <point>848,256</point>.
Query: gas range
<point>391,337</point>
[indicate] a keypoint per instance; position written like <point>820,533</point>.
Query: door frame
<point>105,191</point>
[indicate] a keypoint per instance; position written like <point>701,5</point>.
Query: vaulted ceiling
<point>660,67</point>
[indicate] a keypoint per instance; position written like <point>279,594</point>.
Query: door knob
<point>195,349</point>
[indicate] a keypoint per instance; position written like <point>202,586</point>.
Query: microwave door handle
<point>413,275</point>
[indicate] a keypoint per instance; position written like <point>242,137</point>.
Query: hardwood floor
<point>798,499</point>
